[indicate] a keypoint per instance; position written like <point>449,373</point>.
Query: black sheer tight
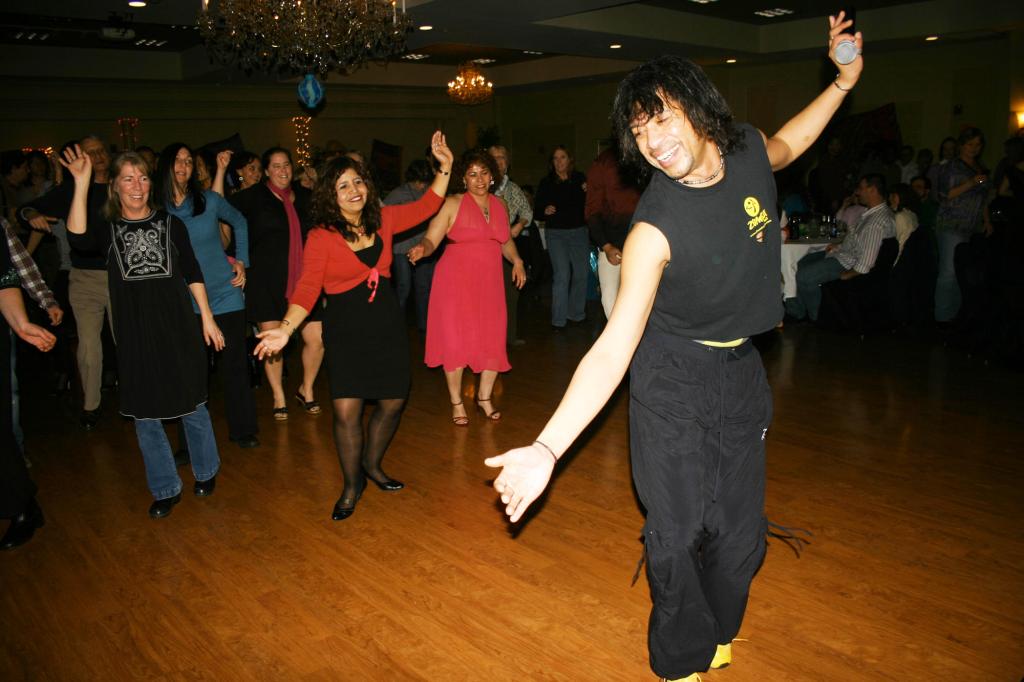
<point>348,439</point>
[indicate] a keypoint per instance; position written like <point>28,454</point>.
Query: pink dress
<point>466,315</point>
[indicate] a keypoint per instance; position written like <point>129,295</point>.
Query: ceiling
<point>518,31</point>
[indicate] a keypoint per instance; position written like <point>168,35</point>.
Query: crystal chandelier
<point>469,86</point>
<point>294,37</point>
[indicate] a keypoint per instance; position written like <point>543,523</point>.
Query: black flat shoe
<point>23,526</point>
<point>346,506</point>
<point>205,488</point>
<point>162,508</point>
<point>388,484</point>
<point>246,442</point>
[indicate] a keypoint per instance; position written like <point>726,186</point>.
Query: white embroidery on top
<point>142,249</point>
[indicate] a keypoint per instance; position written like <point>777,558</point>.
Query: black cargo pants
<point>698,418</point>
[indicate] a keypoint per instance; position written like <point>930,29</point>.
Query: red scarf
<point>294,236</point>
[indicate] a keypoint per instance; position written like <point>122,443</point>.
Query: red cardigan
<point>329,263</point>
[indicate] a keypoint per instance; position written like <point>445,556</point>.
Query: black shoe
<point>388,484</point>
<point>555,328</point>
<point>182,458</point>
<point>162,508</point>
<point>61,386</point>
<point>205,488</point>
<point>246,442</point>
<point>346,506</point>
<point>23,526</point>
<point>90,418</point>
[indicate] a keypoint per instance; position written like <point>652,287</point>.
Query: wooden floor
<point>903,457</point>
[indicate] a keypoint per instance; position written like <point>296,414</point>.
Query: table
<point>792,251</point>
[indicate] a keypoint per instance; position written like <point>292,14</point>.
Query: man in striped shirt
<point>853,257</point>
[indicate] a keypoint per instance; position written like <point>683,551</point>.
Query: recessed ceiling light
<point>415,56</point>
<point>730,61</point>
<point>703,2</point>
<point>136,3</point>
<point>772,13</point>
<point>482,61</point>
<point>426,27</point>
<point>615,46</point>
<point>531,52</point>
<point>931,38</point>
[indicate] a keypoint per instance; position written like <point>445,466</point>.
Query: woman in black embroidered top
<point>160,354</point>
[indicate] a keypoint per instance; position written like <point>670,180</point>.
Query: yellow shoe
<point>692,677</point>
<point>723,656</point>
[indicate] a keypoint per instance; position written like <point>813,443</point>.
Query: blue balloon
<point>310,91</point>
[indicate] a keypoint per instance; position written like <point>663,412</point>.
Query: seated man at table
<point>854,256</point>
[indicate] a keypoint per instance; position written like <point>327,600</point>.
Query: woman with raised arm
<point>161,360</point>
<point>347,255</point>
<point>178,191</point>
<point>466,317</point>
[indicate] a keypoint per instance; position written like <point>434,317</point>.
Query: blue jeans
<point>947,289</point>
<point>161,472</point>
<point>812,271</point>
<point>570,261</point>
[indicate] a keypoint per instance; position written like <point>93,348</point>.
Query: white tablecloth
<point>792,252</point>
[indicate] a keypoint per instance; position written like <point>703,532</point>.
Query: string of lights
<point>302,149</point>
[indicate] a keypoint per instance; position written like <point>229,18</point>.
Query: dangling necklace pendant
<point>721,167</point>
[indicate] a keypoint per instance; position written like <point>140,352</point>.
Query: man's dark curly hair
<point>326,213</point>
<point>644,92</point>
<point>472,157</point>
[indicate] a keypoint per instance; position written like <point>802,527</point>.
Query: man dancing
<point>700,277</point>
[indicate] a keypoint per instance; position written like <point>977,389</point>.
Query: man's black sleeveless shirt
<point>723,278</point>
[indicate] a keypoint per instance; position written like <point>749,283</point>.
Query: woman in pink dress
<point>466,314</point>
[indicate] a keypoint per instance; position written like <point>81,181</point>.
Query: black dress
<point>267,274</point>
<point>161,356</point>
<point>366,345</point>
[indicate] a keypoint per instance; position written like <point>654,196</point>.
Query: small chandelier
<point>295,37</point>
<point>470,86</point>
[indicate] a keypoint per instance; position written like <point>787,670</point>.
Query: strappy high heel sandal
<point>459,420</point>
<point>494,415</point>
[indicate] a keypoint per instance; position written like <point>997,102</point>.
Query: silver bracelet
<point>836,83</point>
<point>550,451</point>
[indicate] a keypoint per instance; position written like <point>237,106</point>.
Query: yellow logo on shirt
<point>758,218</point>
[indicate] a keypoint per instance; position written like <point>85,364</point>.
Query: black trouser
<point>233,366</point>
<point>698,416</point>
<point>16,488</point>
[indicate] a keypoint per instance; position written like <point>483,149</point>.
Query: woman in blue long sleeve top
<point>202,212</point>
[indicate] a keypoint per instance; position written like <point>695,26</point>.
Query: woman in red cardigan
<point>347,255</point>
